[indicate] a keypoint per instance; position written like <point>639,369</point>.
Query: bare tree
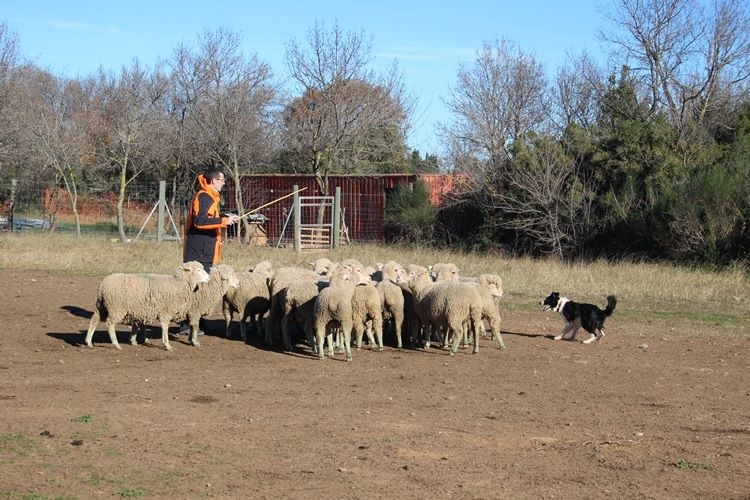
<point>124,129</point>
<point>691,59</point>
<point>10,131</point>
<point>541,195</point>
<point>227,99</point>
<point>343,105</point>
<point>56,127</point>
<point>577,93</point>
<point>497,99</point>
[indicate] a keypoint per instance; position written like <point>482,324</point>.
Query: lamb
<point>281,279</point>
<point>448,305</point>
<point>137,299</point>
<point>251,300</point>
<point>201,303</point>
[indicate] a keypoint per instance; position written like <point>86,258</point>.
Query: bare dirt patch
<point>657,410</point>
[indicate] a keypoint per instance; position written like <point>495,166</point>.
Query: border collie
<point>578,314</point>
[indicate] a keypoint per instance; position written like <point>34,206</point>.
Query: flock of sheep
<point>334,302</point>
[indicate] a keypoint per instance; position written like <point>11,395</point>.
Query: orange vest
<point>202,229</point>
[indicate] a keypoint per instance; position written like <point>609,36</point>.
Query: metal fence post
<point>162,207</point>
<point>337,217</point>
<point>297,220</point>
<point>11,208</point>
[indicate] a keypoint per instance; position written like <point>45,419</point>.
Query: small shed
<point>363,198</point>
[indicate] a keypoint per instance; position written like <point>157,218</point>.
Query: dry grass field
<point>659,409</point>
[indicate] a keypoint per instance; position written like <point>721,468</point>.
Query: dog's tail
<point>611,303</point>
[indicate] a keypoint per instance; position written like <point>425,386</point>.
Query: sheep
<point>448,305</point>
<point>281,279</point>
<point>388,271</point>
<point>297,306</point>
<point>263,267</point>
<point>251,300</point>
<point>490,288</point>
<point>333,308</point>
<point>444,271</point>
<point>322,265</point>
<point>367,308</point>
<point>221,279</point>
<point>139,299</point>
<point>392,299</point>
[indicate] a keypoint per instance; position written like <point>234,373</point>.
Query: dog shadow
<point>529,335</point>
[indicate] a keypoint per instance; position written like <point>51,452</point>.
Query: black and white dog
<point>577,315</point>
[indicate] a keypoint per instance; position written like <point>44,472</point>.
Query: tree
<point>57,131</point>
<point>691,60</point>
<point>346,115</point>
<point>497,99</point>
<point>10,104</point>
<point>127,125</point>
<point>226,98</point>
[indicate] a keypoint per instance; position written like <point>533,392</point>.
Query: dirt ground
<point>656,410</point>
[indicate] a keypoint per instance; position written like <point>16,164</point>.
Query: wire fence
<point>33,205</point>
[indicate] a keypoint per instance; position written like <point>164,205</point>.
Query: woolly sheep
<point>281,279</point>
<point>297,307</point>
<point>388,271</point>
<point>322,265</point>
<point>448,305</point>
<point>367,314</point>
<point>201,303</point>
<point>137,299</point>
<point>251,300</point>
<point>392,299</point>
<point>444,271</point>
<point>333,308</point>
<point>490,288</point>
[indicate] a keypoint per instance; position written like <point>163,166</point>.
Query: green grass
<point>13,446</point>
<point>83,418</point>
<point>644,290</point>
<point>686,464</point>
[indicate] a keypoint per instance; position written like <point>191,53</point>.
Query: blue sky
<point>428,38</point>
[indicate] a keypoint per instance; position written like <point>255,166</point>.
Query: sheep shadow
<point>79,312</point>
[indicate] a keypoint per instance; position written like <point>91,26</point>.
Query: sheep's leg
<point>370,337</point>
<point>243,329</point>
<point>93,323</point>
<point>285,335</point>
<point>320,336</point>
<point>397,323</point>
<point>377,325</point>
<point>227,321</point>
<point>165,334</point>
<point>495,328</point>
<point>194,328</point>
<point>456,332</point>
<point>113,335</point>
<point>346,333</point>
<point>359,331</point>
<point>329,339</point>
<point>310,338</point>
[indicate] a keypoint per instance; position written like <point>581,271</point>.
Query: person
<point>204,223</point>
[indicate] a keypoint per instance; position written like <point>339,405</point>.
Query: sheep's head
<point>494,283</point>
<point>227,276</point>
<point>193,273</point>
